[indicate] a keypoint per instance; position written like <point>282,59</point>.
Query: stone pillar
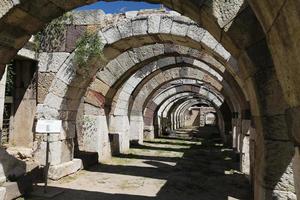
<point>234,133</point>
<point>137,129</point>
<point>61,151</point>
<point>293,116</point>
<point>202,117</point>
<point>149,133</point>
<point>252,155</point>
<point>273,178</point>
<point>245,147</point>
<point>2,193</point>
<point>238,134</point>
<point>2,100</point>
<point>24,105</point>
<point>156,126</point>
<point>93,136</point>
<point>296,169</point>
<point>120,124</point>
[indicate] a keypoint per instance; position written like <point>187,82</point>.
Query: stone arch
<point>67,74</point>
<point>139,101</point>
<point>140,78</point>
<point>154,106</point>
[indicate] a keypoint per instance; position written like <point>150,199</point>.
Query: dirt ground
<point>191,164</point>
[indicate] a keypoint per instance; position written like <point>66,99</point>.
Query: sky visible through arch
<point>120,6</point>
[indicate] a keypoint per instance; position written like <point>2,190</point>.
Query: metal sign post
<point>48,127</point>
<point>47,160</point>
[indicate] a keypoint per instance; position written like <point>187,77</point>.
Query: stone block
<point>153,24</point>
<point>165,24</point>
<point>12,190</point>
<point>278,168</point>
<point>5,6</point>
<point>92,110</point>
<point>112,35</point>
<point>60,151</point>
<point>179,28</point>
<point>73,35</point>
<point>195,32</point>
<point>209,41</point>
<point>51,62</point>
<point>115,69</point>
<point>93,136</point>
<point>2,193</point>
<point>125,28</point>
<point>120,124</point>
<point>222,52</point>
<point>57,172</point>
<point>95,98</point>
<point>44,83</point>
<point>140,26</point>
<point>106,76</point>
<point>131,14</point>
<point>136,128</point>
<point>114,139</point>
<point>104,150</point>
<point>296,170</point>
<point>88,17</point>
<point>125,61</point>
<point>27,53</point>
<point>145,52</point>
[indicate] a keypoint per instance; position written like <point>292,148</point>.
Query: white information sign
<point>48,126</point>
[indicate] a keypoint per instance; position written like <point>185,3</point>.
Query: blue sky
<point>119,6</point>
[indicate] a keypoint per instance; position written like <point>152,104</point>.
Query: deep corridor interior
<point>121,83</point>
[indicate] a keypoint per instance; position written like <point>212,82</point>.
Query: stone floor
<point>189,165</point>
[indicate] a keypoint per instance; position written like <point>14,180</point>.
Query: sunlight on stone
<point>112,183</point>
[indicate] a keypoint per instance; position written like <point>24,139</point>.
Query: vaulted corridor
<point>191,164</point>
<point>152,99</point>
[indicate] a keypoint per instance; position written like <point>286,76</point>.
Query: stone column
<point>274,177</point>
<point>234,133</point>
<point>25,101</point>
<point>202,116</point>
<point>119,124</point>
<point>61,151</point>
<point>60,103</point>
<point>245,147</point>
<point>137,129</point>
<point>2,100</point>
<point>293,116</point>
<point>296,170</point>
<point>92,135</point>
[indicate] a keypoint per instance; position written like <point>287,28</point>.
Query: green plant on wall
<point>10,79</point>
<point>88,46</point>
<point>51,37</point>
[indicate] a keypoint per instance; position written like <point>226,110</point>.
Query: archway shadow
<point>205,171</point>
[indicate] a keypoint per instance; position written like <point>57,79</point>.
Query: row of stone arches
<point>255,74</point>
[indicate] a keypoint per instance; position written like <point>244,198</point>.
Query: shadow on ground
<point>193,163</point>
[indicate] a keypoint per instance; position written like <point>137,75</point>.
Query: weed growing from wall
<point>88,46</point>
<point>52,36</point>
